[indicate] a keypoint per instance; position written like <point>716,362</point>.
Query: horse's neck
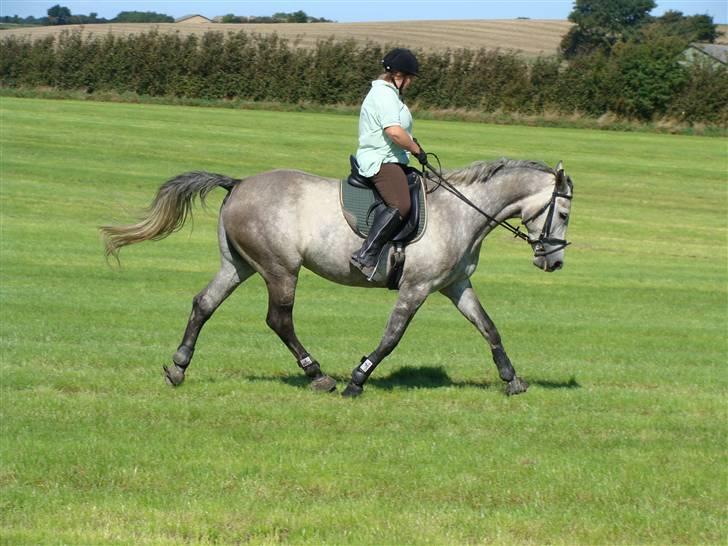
<point>502,198</point>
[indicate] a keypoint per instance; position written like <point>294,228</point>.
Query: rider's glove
<point>421,155</point>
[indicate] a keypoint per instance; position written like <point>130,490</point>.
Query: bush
<point>581,86</point>
<point>704,95</point>
<point>636,80</point>
<point>643,78</point>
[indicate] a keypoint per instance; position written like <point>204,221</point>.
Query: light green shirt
<point>381,108</point>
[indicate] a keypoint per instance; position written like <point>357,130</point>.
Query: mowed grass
<point>621,438</point>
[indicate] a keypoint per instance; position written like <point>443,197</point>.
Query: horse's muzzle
<point>549,266</point>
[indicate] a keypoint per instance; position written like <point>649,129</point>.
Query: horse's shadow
<point>419,377</point>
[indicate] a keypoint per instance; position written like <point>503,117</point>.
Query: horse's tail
<point>168,211</point>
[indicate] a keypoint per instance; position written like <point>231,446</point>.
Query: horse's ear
<point>562,185</point>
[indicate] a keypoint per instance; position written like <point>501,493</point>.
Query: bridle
<point>549,208</point>
<point>545,237</point>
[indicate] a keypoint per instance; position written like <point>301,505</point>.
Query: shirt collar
<point>379,83</point>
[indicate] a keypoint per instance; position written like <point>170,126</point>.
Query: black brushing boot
<point>359,375</point>
<point>384,226</point>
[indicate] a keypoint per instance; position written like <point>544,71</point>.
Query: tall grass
<point>619,440</point>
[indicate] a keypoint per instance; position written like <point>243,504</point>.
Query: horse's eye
<point>564,216</point>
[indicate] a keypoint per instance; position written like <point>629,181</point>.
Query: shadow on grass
<point>419,377</point>
<point>570,384</point>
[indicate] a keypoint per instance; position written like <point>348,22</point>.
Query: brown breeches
<point>391,183</point>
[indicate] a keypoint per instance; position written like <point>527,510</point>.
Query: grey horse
<point>276,222</point>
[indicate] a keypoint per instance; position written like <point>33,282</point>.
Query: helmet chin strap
<point>400,86</point>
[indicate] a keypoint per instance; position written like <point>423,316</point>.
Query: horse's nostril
<point>558,265</point>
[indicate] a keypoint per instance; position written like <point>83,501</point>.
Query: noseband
<point>545,237</point>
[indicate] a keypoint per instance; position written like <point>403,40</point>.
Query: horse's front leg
<point>407,305</point>
<point>465,299</point>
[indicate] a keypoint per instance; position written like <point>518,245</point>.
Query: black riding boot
<point>384,226</point>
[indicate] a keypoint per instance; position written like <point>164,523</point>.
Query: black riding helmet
<point>401,60</point>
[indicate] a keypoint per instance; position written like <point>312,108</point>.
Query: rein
<point>537,244</point>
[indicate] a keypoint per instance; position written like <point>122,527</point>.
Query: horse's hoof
<point>323,384</point>
<point>174,375</point>
<point>352,391</point>
<point>516,386</point>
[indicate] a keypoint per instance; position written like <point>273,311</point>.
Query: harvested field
<point>530,37</point>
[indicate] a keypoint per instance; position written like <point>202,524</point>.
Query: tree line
<point>600,27</point>
<point>61,15</point>
<point>279,17</point>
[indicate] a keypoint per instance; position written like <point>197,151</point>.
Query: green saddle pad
<point>356,204</point>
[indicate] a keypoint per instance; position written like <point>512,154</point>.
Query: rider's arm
<point>402,139</point>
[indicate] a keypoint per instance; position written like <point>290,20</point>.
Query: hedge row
<point>639,81</point>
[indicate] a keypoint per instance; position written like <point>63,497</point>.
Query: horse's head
<point>546,215</point>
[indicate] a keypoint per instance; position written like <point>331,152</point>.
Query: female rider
<point>385,128</point>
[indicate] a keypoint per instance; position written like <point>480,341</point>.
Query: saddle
<point>359,201</point>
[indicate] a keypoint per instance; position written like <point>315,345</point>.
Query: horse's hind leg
<point>465,299</point>
<point>233,271</point>
<point>281,296</point>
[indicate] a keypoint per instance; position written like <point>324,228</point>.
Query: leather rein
<point>537,244</point>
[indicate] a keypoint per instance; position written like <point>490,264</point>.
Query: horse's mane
<point>482,171</point>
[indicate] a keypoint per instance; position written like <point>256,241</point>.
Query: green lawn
<point>621,438</point>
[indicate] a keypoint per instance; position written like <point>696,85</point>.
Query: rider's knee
<point>404,208</point>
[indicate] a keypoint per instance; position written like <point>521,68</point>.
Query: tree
<point>298,17</point>
<point>58,15</point>
<point>142,17</point>
<point>61,15</point>
<point>643,77</point>
<point>693,28</point>
<point>599,24</point>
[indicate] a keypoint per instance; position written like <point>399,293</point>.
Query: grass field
<point>621,438</point>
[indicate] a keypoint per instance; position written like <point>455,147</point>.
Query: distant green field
<point>621,438</point>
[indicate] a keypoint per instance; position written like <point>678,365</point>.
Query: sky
<point>345,11</point>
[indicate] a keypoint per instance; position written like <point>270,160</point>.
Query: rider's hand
<point>421,155</point>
